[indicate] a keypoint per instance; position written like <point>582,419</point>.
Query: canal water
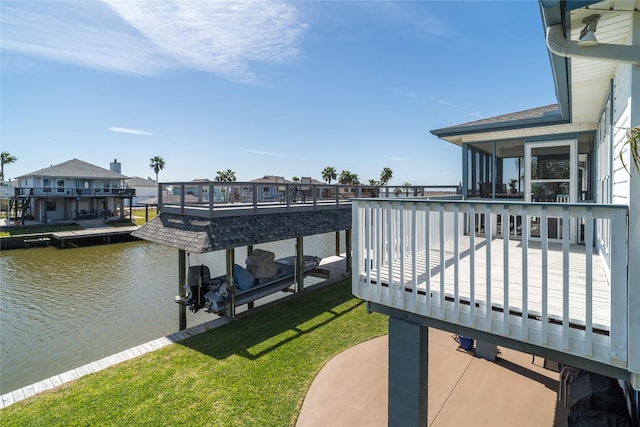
<point>63,308</point>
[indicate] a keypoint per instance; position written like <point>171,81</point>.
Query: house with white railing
<point>69,191</point>
<point>541,251</point>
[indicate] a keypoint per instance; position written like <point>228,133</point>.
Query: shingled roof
<point>535,116</point>
<point>75,169</point>
<point>198,235</point>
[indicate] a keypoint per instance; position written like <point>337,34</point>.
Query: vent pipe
<point>558,44</point>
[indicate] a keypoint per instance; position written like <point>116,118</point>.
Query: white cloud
<point>81,33</point>
<point>263,153</point>
<point>130,131</point>
<point>223,38</point>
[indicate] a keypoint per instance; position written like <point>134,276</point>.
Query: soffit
<point>590,79</point>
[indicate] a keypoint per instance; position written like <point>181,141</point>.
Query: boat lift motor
<point>198,279</point>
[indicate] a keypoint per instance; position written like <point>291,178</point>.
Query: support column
<point>182,281</point>
<point>408,373</point>
<point>348,249</point>
<point>299,264</point>
<point>337,243</point>
<point>633,290</point>
<point>231,288</point>
<point>250,304</point>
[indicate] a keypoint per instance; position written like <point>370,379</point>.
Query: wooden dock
<point>103,234</point>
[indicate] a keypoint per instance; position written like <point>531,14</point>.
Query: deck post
<point>348,249</point>
<point>231,289</point>
<point>408,373</point>
<point>337,243</point>
<point>182,281</point>
<point>634,237</point>
<point>249,252</point>
<point>299,264</point>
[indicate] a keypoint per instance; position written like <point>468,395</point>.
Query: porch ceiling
<point>590,78</point>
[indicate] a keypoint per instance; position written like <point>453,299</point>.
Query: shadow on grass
<point>257,333</point>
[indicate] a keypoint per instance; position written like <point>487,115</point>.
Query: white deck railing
<point>447,260</point>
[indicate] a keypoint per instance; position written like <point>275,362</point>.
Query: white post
<point>621,297</point>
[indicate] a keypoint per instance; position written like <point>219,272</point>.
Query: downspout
<point>559,45</point>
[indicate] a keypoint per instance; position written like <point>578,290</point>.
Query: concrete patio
<point>351,389</point>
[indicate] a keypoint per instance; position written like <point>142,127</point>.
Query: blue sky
<point>263,88</point>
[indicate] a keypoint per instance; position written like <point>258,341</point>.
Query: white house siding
<point>622,122</point>
<point>144,193</point>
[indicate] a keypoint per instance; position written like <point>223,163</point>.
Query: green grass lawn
<point>252,372</point>
<point>40,229</point>
<point>139,215</point>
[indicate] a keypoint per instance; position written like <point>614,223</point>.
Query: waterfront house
<point>550,267</point>
<point>144,189</point>
<point>70,191</point>
<point>270,192</point>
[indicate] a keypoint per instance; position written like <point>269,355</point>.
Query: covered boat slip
<point>193,234</point>
<point>420,257</point>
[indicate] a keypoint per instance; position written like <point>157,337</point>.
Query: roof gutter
<point>559,45</point>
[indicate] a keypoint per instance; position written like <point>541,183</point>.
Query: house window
<point>105,187</point>
<point>51,206</point>
<point>46,183</point>
<point>60,185</point>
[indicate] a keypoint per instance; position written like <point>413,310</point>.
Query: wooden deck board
<point>577,277</point>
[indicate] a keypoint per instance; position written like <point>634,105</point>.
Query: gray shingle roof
<point>538,115</point>
<point>198,235</point>
<point>75,169</point>
<point>532,113</point>
<point>136,181</point>
<point>272,179</point>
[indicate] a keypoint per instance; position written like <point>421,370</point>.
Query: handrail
<point>210,198</point>
<point>72,192</point>
<point>508,268</point>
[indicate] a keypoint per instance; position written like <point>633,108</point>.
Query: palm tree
<point>329,173</point>
<point>374,187</point>
<point>157,164</point>
<point>225,176</point>
<point>5,159</point>
<point>354,179</point>
<point>345,177</point>
<point>407,187</point>
<point>385,176</point>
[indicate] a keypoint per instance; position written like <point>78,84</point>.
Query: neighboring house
<point>550,267</point>
<point>71,190</point>
<point>274,188</point>
<point>144,189</point>
<point>268,189</point>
